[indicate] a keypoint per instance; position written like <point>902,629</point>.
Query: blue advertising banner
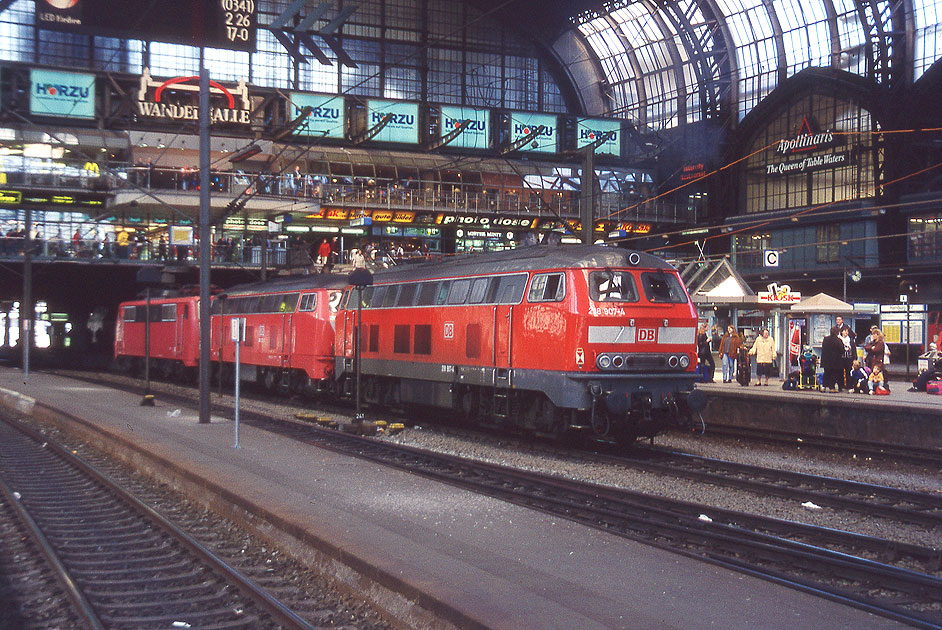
<point>68,94</point>
<point>478,132</point>
<point>402,127</point>
<point>326,120</point>
<point>589,130</point>
<point>521,125</point>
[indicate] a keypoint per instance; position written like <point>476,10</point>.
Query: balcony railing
<point>350,192</point>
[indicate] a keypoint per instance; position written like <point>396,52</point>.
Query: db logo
<point>647,334</point>
<point>449,330</point>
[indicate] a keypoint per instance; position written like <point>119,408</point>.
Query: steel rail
<point>830,491</point>
<point>913,454</point>
<point>280,613</point>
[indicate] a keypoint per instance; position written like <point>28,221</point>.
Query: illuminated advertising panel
<point>476,134</point>
<point>589,131</point>
<point>522,124</point>
<point>67,94</point>
<point>403,126</point>
<point>326,119</point>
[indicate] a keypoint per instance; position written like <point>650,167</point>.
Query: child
<point>859,377</point>
<point>876,379</point>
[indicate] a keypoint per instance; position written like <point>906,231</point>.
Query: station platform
<point>903,418</point>
<point>429,554</point>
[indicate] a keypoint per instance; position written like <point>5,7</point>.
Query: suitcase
<point>934,387</point>
<point>743,368</point>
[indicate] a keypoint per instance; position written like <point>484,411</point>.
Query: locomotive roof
<point>291,283</point>
<point>532,258</point>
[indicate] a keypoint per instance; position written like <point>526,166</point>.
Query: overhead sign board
<point>523,124</point>
<point>403,126</point>
<point>589,131</point>
<point>66,94</point>
<point>227,24</point>
<point>777,294</point>
<point>326,119</point>
<point>477,133</point>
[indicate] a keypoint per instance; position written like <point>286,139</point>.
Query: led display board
<point>67,94</point>
<point>403,126</point>
<point>326,119</point>
<point>478,132</point>
<point>589,131</point>
<point>227,24</point>
<point>523,123</point>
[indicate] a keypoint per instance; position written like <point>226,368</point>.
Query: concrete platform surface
<point>476,561</point>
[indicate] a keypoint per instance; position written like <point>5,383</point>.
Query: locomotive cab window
<point>333,300</point>
<point>547,287</point>
<point>406,294</point>
<point>288,303</point>
<point>663,288</point>
<point>168,312</point>
<point>507,289</point>
<point>459,291</point>
<point>308,302</point>
<point>612,286</point>
<point>128,313</point>
<point>478,290</point>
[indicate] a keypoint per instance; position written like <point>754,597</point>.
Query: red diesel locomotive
<point>546,339</point>
<point>288,333</point>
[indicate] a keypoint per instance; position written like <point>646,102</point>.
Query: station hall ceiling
<point>664,63</point>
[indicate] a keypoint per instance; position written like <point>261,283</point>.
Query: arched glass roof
<point>666,62</point>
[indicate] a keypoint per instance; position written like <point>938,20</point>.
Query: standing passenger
<point>764,350</point>
<point>704,355</point>
<point>832,360</point>
<point>729,350</point>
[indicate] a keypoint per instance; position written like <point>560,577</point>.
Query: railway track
<point>120,563</point>
<point>893,503</point>
<point>898,580</point>
<point>930,457</point>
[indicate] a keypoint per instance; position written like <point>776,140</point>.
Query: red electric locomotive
<point>289,335</point>
<point>174,335</point>
<point>547,339</point>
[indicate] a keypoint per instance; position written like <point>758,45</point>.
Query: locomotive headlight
<point>618,361</point>
<point>672,361</point>
<point>604,361</point>
<point>684,361</point>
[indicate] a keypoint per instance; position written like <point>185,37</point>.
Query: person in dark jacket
<point>705,355</point>
<point>832,360</point>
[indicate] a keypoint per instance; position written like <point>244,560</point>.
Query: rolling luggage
<point>743,368</point>
<point>934,387</point>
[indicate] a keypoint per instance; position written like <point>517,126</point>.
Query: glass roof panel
<point>928,35</point>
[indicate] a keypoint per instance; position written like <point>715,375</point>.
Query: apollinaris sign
<point>806,151</point>
<point>67,94</point>
<point>326,119</point>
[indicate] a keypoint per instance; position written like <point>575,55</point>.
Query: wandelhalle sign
<point>806,152</point>
<point>178,99</point>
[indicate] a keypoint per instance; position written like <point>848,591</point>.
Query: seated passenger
<point>858,378</point>
<point>934,373</point>
<point>876,382</point>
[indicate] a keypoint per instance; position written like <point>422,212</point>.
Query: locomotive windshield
<point>663,287</point>
<point>612,286</point>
